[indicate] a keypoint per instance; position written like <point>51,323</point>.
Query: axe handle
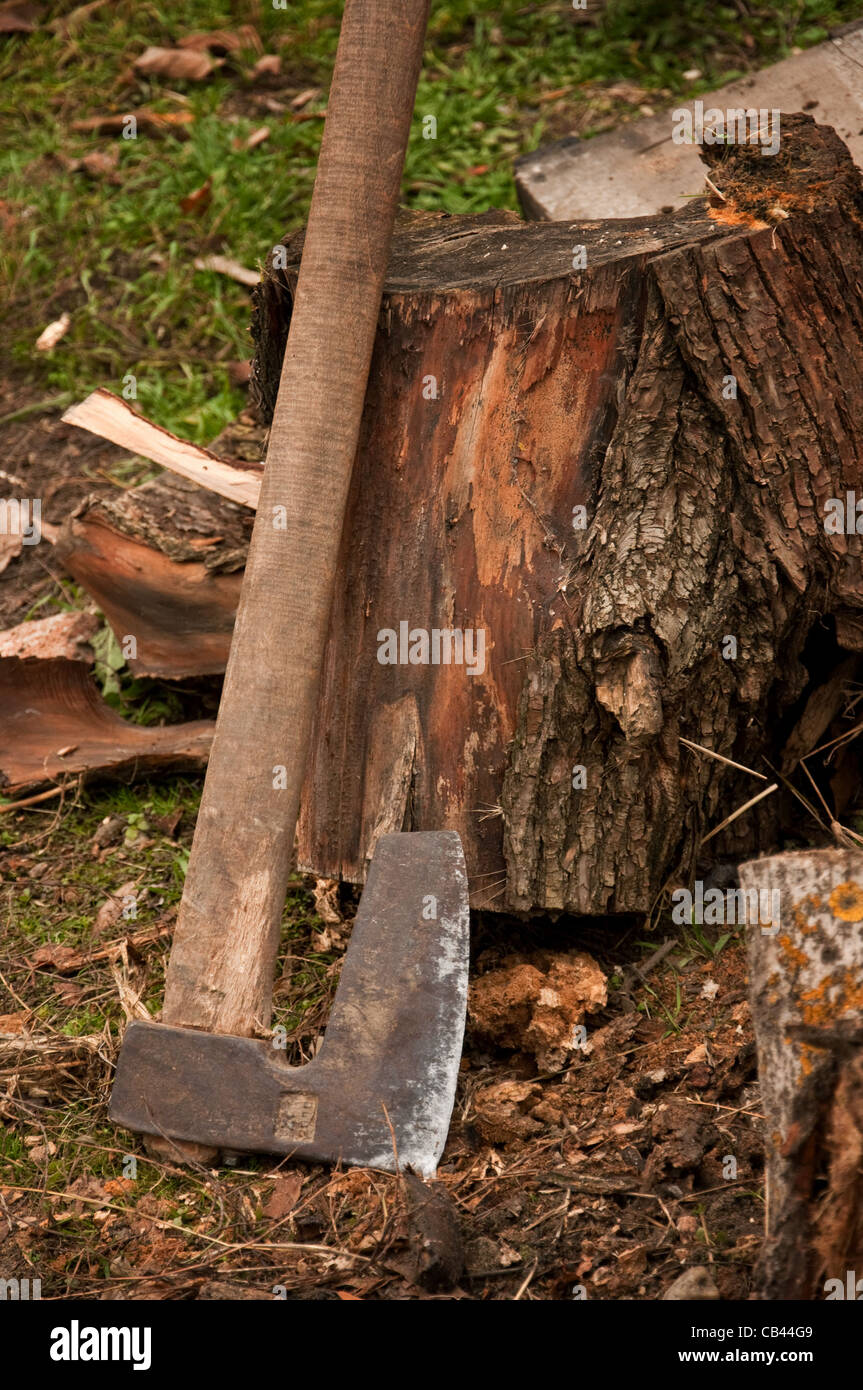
<point>220,976</point>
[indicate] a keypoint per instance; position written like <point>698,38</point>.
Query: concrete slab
<point>639,170</point>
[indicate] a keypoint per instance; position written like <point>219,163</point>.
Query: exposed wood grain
<point>107,415</point>
<point>55,724</point>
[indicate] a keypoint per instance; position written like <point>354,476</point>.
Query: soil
<point>640,1158</point>
<point>619,1146</point>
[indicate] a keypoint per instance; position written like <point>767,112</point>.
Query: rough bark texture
<point>606,387</point>
<point>806,966</point>
<point>709,522</point>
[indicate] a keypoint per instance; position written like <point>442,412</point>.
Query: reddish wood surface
<point>55,723</point>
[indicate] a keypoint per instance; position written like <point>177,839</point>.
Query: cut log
<point>164,561</point>
<point>805,971</point>
<point>693,388</point>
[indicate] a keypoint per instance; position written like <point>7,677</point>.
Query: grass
<point>117,252</point>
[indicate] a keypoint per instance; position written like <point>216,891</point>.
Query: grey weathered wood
<point>806,993</point>
<point>637,170</point>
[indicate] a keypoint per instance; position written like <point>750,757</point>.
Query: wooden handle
<point>220,975</point>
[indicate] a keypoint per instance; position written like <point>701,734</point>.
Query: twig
<point>774,786</point>
<point>31,800</point>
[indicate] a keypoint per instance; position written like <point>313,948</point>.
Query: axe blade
<point>382,1086</point>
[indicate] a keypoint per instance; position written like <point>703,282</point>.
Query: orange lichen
<point>793,955</point>
<point>846,902</point>
<point>835,997</point>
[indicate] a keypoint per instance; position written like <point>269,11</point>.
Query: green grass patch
<point>118,253</point>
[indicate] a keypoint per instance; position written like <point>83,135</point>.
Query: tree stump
<point>610,447</point>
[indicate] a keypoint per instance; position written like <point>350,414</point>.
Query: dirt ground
<point>605,1180</point>
<point>602,1171</point>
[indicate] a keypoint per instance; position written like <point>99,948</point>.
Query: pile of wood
<point>607,447</point>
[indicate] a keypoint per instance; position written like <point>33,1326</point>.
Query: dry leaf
<point>101,163</point>
<point>303,98</point>
<point>111,910</point>
<point>62,958</point>
<point>176,63</point>
<point>225,40</point>
<point>258,137</point>
<point>19,17</point>
<point>13,1023</point>
<point>50,336</point>
<point>40,1152</point>
<point>223,265</point>
<point>283,1198</point>
<point>198,202</point>
<point>69,991</point>
<point>268,66</point>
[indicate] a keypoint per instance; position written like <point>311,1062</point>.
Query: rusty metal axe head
<point>382,1085</point>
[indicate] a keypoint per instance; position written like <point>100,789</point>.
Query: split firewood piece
<point>107,415</point>
<point>805,947</point>
<point>54,724</point>
<point>164,563</point>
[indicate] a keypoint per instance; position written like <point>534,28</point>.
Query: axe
<point>380,1090</point>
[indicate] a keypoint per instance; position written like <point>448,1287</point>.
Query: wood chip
<point>178,64</point>
<point>223,265</point>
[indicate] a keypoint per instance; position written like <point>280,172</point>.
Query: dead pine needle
<point>768,791</point>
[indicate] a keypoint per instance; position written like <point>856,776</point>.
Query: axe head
<point>382,1085</point>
